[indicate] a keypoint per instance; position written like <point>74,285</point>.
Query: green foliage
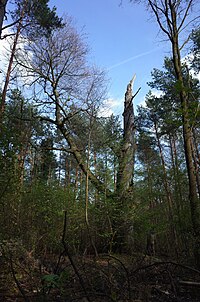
<point>50,281</point>
<point>39,19</point>
<point>196,49</point>
<point>54,281</point>
<point>39,184</point>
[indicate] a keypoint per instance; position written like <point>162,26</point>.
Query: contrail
<point>133,58</point>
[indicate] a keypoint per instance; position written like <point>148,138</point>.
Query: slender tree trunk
<point>197,170</point>
<point>81,186</point>
<point>196,146</point>
<point>76,183</point>
<point>87,185</point>
<point>171,17</point>
<point>178,190</point>
<point>149,181</point>
<point>9,69</point>
<point>96,173</point>
<point>168,192</point>
<point>115,172</point>
<point>69,168</point>
<point>187,136</point>
<point>87,192</point>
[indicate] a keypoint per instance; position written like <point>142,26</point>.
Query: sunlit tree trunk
<point>187,135</point>
<point>175,165</point>
<point>172,19</point>
<point>96,173</point>
<point>127,152</point>
<point>76,182</point>
<point>10,64</point>
<point>196,163</point>
<point>87,192</point>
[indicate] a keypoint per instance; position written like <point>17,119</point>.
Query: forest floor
<point>114,278</point>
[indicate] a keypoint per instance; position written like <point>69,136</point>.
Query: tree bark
<point>171,18</point>
<point>196,164</point>
<point>126,159</point>
<point>2,13</point>
<point>9,69</point>
<point>100,186</point>
<point>187,136</point>
<point>168,192</point>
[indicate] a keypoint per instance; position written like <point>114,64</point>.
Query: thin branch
<point>5,188</point>
<point>154,8</point>
<point>60,149</point>
<point>191,21</point>
<point>126,271</point>
<point>185,42</point>
<point>185,15</point>
<point>11,24</point>
<point>71,259</point>
<point>7,35</point>
<point>136,93</point>
<point>17,282</point>
<point>166,263</point>
<point>47,119</point>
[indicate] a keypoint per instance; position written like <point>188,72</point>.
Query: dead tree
<point>127,151</point>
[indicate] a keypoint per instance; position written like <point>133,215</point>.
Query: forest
<point>96,208</point>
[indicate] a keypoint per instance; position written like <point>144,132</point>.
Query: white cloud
<point>4,51</point>
<point>133,58</point>
<point>110,106</point>
<point>187,60</point>
<point>156,93</point>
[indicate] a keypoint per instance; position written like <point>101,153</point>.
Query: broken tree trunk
<point>125,170</point>
<point>126,159</point>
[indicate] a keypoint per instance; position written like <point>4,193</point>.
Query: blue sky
<point>123,39</point>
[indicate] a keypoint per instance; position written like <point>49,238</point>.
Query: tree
<point>16,136</point>
<point>153,116</point>
<point>126,159</point>
<point>31,18</point>
<point>173,18</point>
<point>38,17</point>
<point>70,86</point>
<point>71,89</point>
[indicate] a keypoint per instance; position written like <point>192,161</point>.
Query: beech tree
<point>57,66</point>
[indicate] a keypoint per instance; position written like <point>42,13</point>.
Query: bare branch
<point>11,24</point>
<point>154,8</point>
<point>185,15</point>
